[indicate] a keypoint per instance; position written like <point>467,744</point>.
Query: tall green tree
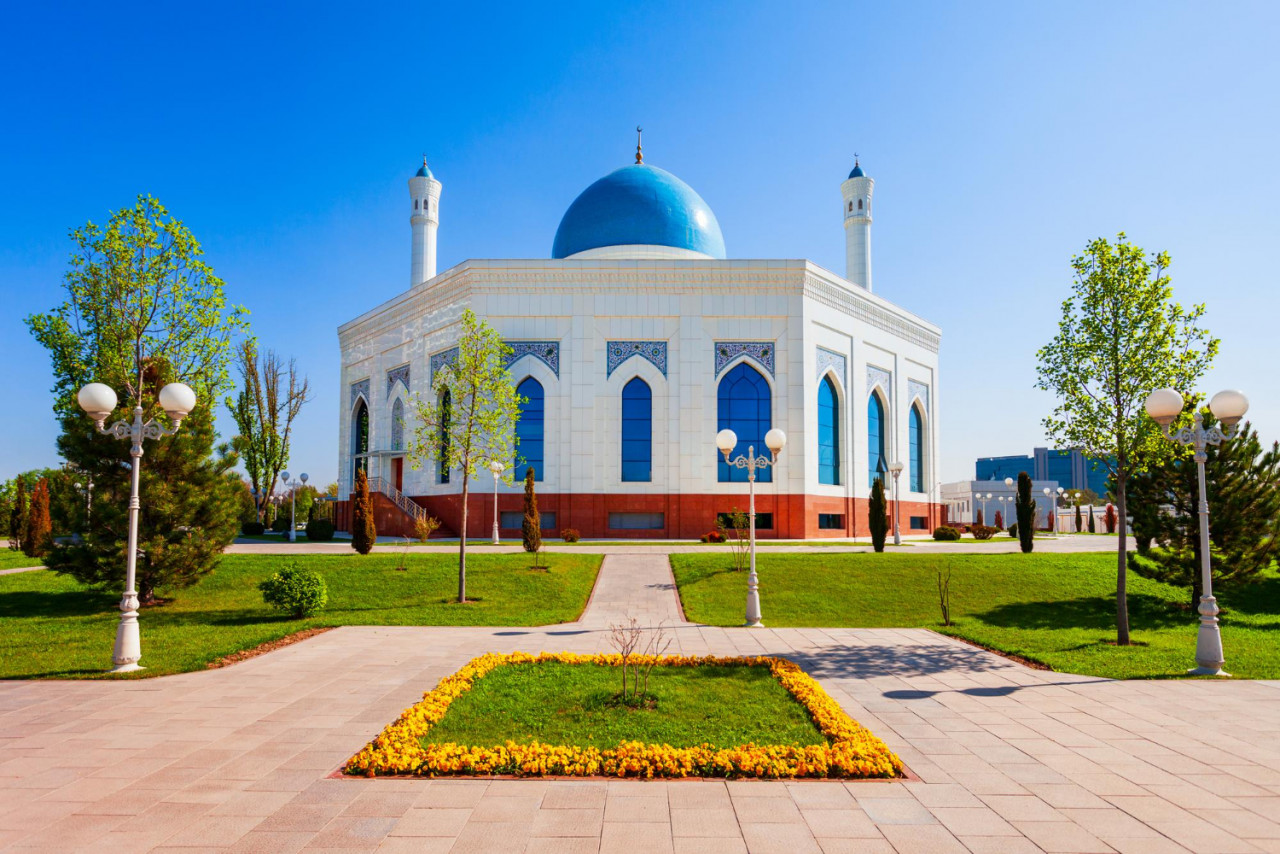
<point>470,419</point>
<point>531,525</point>
<point>18,513</point>
<point>1243,481</point>
<point>271,395</point>
<point>1025,507</point>
<point>37,538</point>
<point>1121,336</point>
<point>878,515</point>
<point>363,532</point>
<point>142,309</point>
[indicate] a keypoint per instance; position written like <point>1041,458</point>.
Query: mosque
<point>635,343</point>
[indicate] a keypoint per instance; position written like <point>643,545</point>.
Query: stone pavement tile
<point>821,796</point>
<point>1066,795</point>
<point>841,824</point>
<point>1188,796</point>
<point>519,788</point>
<point>1199,835</point>
<point>283,781</point>
<point>296,818</point>
<point>943,795</point>
<point>1022,808</point>
<point>568,822</point>
<point>1110,823</point>
<point>1062,837</point>
<point>767,811</point>
<point>700,794</point>
<point>636,809</point>
<point>923,838</point>
<point>87,789</point>
<point>855,846</point>
<point>374,804</point>
<point>72,831</point>
<point>638,789</point>
<point>1225,784</point>
<point>452,793</point>
<point>1149,808</point>
<point>896,811</point>
<point>1242,823</point>
<point>1000,845</point>
<point>710,845</point>
<point>565,794</point>
<point>444,821</point>
<point>353,833</point>
<point>990,783</point>
<point>973,821</point>
<point>563,845</point>
<point>127,802</point>
<point>505,809</point>
<point>1146,845</point>
<point>253,803</point>
<point>1106,784</point>
<point>633,838</point>
<point>419,845</point>
<point>170,849</point>
<point>756,789</point>
<point>1268,806</point>
<point>779,839</point>
<point>221,831</point>
<point>705,822</point>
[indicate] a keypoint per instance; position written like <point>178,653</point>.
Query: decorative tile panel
<point>830,359</point>
<point>880,377</point>
<point>548,352</point>
<point>358,389</point>
<point>761,351</point>
<point>397,425</point>
<point>915,389</point>
<point>619,351</point>
<point>397,375</point>
<point>439,360</point>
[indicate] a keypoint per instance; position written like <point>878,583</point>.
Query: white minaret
<point>424,192</point>
<point>857,226</point>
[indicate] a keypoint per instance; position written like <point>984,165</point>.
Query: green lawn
<point>569,704</point>
<point>10,559</point>
<point>1057,609</point>
<point>51,626</point>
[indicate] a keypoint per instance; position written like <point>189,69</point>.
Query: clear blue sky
<point>1002,137</point>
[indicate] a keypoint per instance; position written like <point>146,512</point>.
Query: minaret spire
<point>639,150</point>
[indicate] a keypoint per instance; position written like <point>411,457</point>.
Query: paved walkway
<point>20,569</point>
<point>1009,759</point>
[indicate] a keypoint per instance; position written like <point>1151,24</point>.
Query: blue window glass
<point>529,430</point>
<point>877,466</point>
<point>637,431</point>
<point>917,450</point>
<point>745,406</point>
<point>828,433</point>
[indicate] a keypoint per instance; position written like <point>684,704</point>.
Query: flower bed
<point>850,751</point>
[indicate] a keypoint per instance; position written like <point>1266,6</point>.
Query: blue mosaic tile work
<point>548,352</point>
<point>880,377</point>
<point>439,360</point>
<point>397,375</point>
<point>918,389</point>
<point>761,351</point>
<point>830,359</point>
<point>359,389</point>
<point>619,351</point>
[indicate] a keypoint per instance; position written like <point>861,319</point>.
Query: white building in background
<point>635,343</point>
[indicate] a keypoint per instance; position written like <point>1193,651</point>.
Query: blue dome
<point>643,205</point>
<point>857,171</point>
<point>423,171</point>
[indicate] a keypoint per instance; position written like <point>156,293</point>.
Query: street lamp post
<point>726,441</point>
<point>1164,405</point>
<point>896,469</point>
<point>98,401</point>
<point>293,501</point>
<point>87,489</point>
<point>984,499</point>
<point>497,468</point>
<point>1048,494</point>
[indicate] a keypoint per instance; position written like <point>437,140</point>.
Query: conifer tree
<point>1080,519</point>
<point>18,514</point>
<point>878,515</point>
<point>531,527</point>
<point>1025,506</point>
<point>1093,523</point>
<point>1109,518</point>
<point>363,532</point>
<point>37,537</point>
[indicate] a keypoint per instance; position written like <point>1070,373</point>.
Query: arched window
<point>916,425</point>
<point>360,438</point>
<point>529,430</point>
<point>415,204</point>
<point>637,431</point>
<point>446,417</point>
<point>850,205</point>
<point>397,425</point>
<point>828,432</point>
<point>859,204</point>
<point>877,466</point>
<point>745,406</point>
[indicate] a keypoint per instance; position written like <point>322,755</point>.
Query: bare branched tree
<point>271,395</point>
<point>640,651</point>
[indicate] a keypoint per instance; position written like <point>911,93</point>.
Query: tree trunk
<point>462,542</point>
<point>1122,565</point>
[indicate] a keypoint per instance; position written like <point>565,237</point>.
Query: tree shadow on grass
<point>1089,612</point>
<point>1258,597</point>
<point>64,603</point>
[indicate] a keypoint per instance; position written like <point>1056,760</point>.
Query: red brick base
<point>685,516</point>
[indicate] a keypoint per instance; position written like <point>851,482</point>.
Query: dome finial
<point>639,150</point>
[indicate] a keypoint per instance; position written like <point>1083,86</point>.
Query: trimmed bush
<point>570,535</point>
<point>983,532</point>
<point>280,524</point>
<point>1013,530</point>
<point>946,533</point>
<point>713,537</point>
<point>363,532</point>
<point>296,592</point>
<point>253,529</point>
<point>877,515</point>
<point>319,530</point>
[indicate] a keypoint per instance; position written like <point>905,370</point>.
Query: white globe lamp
<point>177,399</point>
<point>97,400</point>
<point>1164,405</point>
<point>1229,406</point>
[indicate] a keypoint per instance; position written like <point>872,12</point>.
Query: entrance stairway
<point>410,510</point>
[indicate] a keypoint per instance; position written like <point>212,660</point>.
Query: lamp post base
<point>128,649</point>
<point>496,540</point>
<point>756,625</point>
<point>127,668</point>
<point>1209,658</point>
<point>1209,670</point>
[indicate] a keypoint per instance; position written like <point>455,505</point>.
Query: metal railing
<point>404,502</point>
